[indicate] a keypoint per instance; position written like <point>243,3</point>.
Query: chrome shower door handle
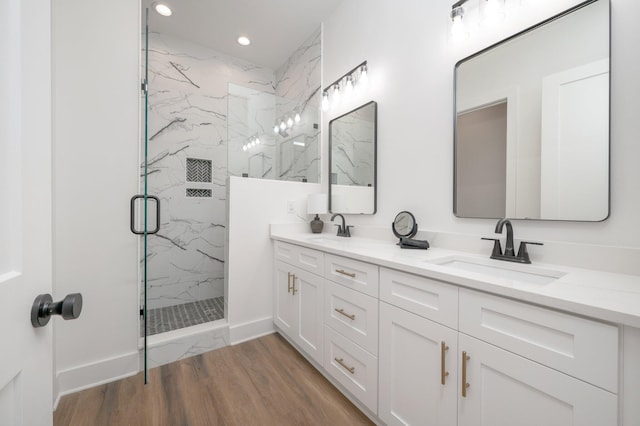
<point>132,218</point>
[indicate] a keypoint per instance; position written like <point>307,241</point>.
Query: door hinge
<point>144,86</point>
<point>141,312</point>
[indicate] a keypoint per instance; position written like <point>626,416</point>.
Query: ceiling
<point>276,27</point>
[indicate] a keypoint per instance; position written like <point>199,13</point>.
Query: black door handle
<point>44,306</point>
<point>132,214</point>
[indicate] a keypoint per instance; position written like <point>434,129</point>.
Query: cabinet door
<point>411,364</point>
<point>506,389</point>
<point>283,300</point>
<point>308,295</point>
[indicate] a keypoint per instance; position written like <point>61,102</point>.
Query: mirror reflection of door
<point>482,161</point>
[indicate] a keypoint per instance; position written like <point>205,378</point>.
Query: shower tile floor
<point>160,320</point>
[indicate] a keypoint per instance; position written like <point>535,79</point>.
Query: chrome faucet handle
<point>497,248</point>
<point>522,250</point>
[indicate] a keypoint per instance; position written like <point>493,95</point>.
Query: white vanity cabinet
<point>298,298</point>
<point>506,389</point>
<point>351,327</point>
<point>415,350</point>
<point>418,377</point>
<point>507,363</point>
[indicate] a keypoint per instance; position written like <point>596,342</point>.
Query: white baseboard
<point>95,374</point>
<point>250,330</point>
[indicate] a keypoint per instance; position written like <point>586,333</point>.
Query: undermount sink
<point>325,239</point>
<point>504,270</point>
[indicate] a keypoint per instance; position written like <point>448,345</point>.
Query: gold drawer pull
<point>342,312</point>
<point>293,284</point>
<point>289,282</point>
<point>465,385</point>
<point>443,371</point>
<point>340,361</point>
<point>343,272</point>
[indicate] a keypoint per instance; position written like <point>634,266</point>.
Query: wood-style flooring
<point>260,382</point>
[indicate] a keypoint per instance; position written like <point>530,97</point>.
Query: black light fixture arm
<point>350,72</point>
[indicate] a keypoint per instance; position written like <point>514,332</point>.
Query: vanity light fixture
<point>287,122</point>
<point>493,11</point>
<point>336,94</point>
<point>251,142</point>
<point>162,9</point>
<point>356,77</point>
<point>325,101</point>
<point>457,28</point>
<point>244,41</point>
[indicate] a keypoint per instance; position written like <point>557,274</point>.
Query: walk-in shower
<point>208,115</point>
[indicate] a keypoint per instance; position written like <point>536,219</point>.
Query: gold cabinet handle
<point>465,385</point>
<point>443,372</point>
<point>340,361</point>
<point>293,284</point>
<point>343,272</point>
<point>289,282</point>
<point>342,312</point>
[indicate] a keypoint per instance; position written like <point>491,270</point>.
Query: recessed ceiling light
<point>162,9</point>
<point>244,41</point>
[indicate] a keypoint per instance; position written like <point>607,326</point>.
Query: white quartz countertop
<point>605,296</point>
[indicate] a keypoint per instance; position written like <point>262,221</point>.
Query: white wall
<point>411,60</point>
<point>253,205</point>
<point>96,89</point>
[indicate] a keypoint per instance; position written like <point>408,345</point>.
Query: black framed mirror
<point>531,135</point>
<point>352,161</point>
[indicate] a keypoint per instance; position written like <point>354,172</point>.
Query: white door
<point>506,389</point>
<point>25,210</point>
<point>418,379</point>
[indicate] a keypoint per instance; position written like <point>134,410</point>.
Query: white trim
<point>95,374</point>
<point>250,330</point>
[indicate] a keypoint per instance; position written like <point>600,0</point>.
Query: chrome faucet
<point>343,230</point>
<point>509,253</point>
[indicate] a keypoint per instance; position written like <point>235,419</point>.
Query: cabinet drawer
<point>302,257</point>
<point>353,314</point>
<point>354,274</point>
<point>353,367</point>
<point>428,298</point>
<point>582,348</point>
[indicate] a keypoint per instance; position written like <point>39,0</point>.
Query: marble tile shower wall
<point>188,90</point>
<point>352,151</point>
<point>254,113</point>
<point>298,89</point>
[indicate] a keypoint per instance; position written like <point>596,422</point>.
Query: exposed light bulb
<point>336,94</point>
<point>493,11</point>
<point>257,140</point>
<point>297,118</point>
<point>458,31</point>
<point>325,101</point>
<point>364,76</point>
<point>289,122</point>
<point>243,41</point>
<point>163,9</point>
<point>283,125</point>
<point>348,86</point>
<point>276,129</point>
<point>244,147</point>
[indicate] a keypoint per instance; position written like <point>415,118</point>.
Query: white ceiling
<point>276,27</point>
